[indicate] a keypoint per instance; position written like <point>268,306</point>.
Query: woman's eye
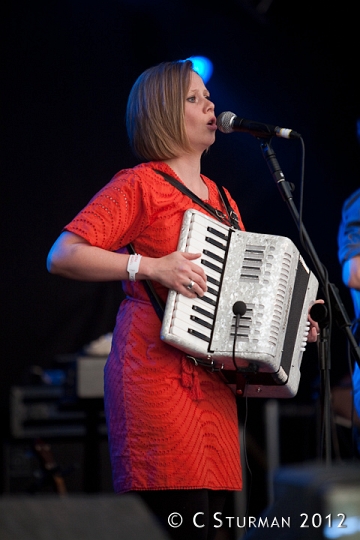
<point>191,98</point>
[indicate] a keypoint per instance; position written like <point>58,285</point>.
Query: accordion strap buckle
<point>233,217</point>
<point>220,215</point>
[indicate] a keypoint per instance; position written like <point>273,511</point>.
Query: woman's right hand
<point>177,271</point>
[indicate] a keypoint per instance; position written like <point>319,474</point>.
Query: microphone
<point>227,122</point>
<point>239,308</point>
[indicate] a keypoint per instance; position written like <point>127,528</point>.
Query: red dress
<point>171,424</point>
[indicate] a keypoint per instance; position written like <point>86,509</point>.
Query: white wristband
<point>133,265</point>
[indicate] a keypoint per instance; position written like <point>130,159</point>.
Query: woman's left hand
<point>314,326</point>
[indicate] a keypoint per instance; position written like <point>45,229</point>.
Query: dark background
<point>67,70</point>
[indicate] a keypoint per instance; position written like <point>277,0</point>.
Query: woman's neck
<point>188,170</point>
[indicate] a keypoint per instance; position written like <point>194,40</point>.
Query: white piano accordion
<point>269,275</point>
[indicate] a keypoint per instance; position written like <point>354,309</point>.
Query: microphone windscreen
<point>224,121</point>
<point>239,308</point>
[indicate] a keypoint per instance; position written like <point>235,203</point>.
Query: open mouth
<point>212,122</point>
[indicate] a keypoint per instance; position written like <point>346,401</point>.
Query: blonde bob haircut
<point>155,111</point>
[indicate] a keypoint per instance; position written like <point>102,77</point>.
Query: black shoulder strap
<point>232,217</point>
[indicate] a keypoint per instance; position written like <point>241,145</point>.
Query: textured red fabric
<point>171,424</point>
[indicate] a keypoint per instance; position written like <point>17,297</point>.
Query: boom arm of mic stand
<point>339,311</point>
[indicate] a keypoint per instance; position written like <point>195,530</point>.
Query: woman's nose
<point>210,105</point>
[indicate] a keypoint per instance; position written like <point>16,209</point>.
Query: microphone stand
<point>319,313</point>
<point>336,304</point>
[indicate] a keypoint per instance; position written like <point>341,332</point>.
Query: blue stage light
<point>358,129</point>
<point>203,66</point>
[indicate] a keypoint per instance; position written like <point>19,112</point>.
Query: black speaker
<point>311,502</point>
<point>90,517</point>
